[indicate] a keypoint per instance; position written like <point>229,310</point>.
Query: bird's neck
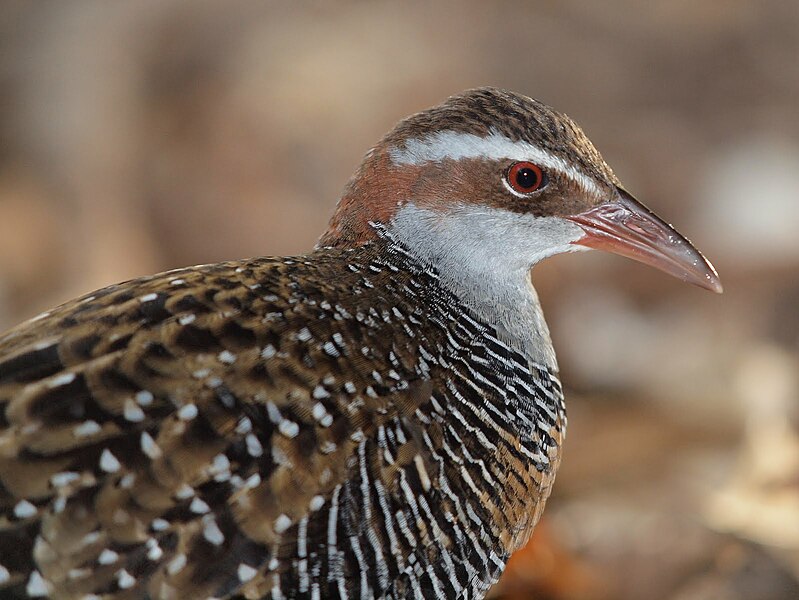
<point>476,267</point>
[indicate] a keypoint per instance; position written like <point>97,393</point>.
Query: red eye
<point>525,177</point>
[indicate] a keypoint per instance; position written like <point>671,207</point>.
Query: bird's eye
<point>525,177</point>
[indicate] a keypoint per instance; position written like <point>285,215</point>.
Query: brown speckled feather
<point>380,418</point>
<point>167,437</point>
<point>138,399</point>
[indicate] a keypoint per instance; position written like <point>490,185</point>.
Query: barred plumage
<point>428,428</point>
<point>380,418</point>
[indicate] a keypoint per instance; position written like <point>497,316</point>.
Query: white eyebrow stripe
<point>455,145</point>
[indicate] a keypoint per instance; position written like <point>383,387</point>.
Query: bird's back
<point>335,424</point>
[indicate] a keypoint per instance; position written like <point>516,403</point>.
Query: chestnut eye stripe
<point>456,146</point>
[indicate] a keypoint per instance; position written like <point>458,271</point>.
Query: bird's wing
<point>172,436</point>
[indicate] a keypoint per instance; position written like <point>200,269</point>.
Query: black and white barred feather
<point>246,430</point>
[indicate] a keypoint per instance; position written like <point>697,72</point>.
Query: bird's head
<point>501,179</point>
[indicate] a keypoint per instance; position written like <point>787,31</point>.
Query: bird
<point>381,417</point>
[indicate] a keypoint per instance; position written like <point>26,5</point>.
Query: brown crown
<point>481,111</point>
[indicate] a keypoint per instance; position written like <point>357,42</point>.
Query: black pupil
<point>526,178</point>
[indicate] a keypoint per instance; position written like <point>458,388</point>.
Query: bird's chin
<point>625,226</point>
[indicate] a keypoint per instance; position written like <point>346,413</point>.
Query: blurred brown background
<point>145,135</point>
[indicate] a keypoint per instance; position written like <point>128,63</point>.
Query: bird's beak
<point>627,227</point>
